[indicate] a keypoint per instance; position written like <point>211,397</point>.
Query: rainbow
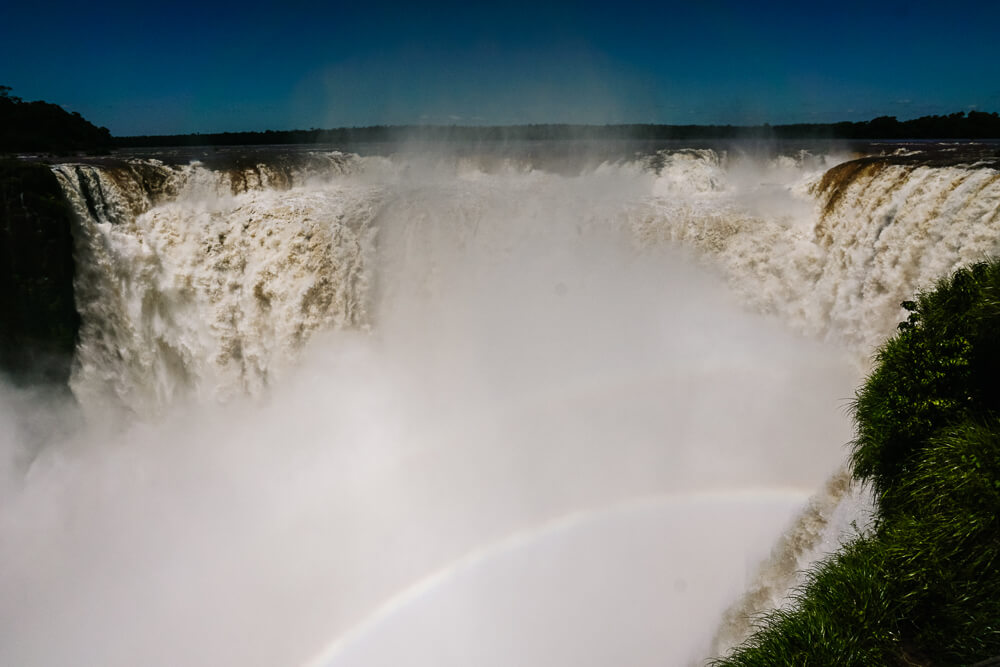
<point>553,527</point>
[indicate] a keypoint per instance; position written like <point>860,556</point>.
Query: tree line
<point>960,125</point>
<point>45,127</point>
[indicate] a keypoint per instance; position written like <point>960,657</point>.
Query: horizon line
<point>964,115</point>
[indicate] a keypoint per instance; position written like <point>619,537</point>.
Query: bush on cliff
<point>940,369</point>
<point>923,588</point>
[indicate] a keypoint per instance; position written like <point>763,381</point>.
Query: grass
<point>923,587</point>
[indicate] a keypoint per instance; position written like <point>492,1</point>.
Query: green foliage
<point>940,369</point>
<point>924,587</point>
<point>841,616</point>
<point>944,545</point>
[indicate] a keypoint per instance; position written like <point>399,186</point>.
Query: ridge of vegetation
<point>47,128</point>
<point>923,586</point>
<point>973,125</point>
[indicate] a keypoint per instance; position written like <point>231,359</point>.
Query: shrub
<point>939,370</point>
<point>924,587</point>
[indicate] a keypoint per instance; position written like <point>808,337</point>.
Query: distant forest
<point>48,128</point>
<point>973,125</point>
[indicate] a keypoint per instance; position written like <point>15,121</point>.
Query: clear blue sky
<point>142,67</point>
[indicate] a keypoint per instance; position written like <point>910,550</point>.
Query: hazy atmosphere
<point>206,67</point>
<point>530,360</point>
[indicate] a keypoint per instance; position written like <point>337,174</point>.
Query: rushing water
<point>456,410</point>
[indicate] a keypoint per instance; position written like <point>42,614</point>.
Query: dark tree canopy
<point>974,125</point>
<point>46,128</point>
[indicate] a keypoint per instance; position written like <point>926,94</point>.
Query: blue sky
<point>139,67</point>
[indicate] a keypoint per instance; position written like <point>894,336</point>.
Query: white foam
<point>345,381</point>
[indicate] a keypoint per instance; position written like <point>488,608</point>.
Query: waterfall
<point>345,409</point>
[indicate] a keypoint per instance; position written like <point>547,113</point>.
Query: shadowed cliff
<point>38,318</point>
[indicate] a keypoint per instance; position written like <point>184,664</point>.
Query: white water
<point>420,410</point>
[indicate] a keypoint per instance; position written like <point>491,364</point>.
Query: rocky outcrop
<point>38,317</point>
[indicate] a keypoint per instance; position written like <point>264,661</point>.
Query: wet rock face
<point>38,317</point>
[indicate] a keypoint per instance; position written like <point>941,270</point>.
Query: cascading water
<point>456,411</point>
<point>874,232</point>
<point>199,292</point>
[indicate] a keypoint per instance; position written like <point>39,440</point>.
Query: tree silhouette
<point>44,127</point>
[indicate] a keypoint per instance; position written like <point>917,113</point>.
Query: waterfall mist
<point>438,413</point>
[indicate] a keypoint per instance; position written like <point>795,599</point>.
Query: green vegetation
<point>46,128</point>
<point>974,125</point>
<point>38,318</point>
<point>941,369</point>
<point>923,587</point>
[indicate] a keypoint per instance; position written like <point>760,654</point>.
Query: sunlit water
<point>422,411</point>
